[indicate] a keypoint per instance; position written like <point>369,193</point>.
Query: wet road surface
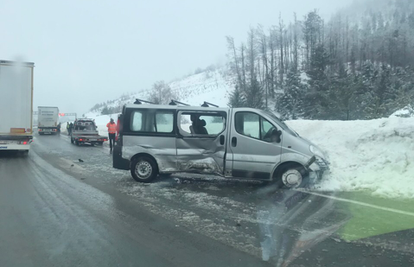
<point>65,205</point>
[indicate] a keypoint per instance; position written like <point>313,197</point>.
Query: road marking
<point>359,203</point>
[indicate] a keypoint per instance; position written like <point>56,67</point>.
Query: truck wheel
<point>144,169</point>
<point>77,142</point>
<point>71,140</point>
<point>100,143</point>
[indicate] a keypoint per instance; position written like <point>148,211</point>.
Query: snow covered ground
<point>374,155</point>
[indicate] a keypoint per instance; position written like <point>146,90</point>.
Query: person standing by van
<point>111,132</point>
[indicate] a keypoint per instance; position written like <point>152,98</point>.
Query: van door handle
<point>222,140</point>
<point>234,142</point>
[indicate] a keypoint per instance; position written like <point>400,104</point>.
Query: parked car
<point>229,142</point>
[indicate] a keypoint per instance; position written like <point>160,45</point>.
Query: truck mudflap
<point>118,162</point>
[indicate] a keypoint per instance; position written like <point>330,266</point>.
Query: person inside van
<point>197,125</point>
<point>273,135</point>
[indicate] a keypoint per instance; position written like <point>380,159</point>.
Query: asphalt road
<point>65,205</point>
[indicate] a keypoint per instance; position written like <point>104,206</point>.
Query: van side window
<point>201,124</point>
<point>164,121</point>
<point>152,121</point>
<point>248,124</point>
<point>255,126</point>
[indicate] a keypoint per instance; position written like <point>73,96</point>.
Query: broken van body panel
<point>163,150</point>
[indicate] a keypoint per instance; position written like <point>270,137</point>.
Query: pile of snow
<point>405,112</point>
<point>374,155</point>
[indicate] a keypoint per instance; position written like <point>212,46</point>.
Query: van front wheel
<point>295,177</point>
<point>144,169</point>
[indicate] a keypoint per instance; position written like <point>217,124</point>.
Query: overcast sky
<point>87,52</point>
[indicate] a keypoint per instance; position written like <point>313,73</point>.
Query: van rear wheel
<point>144,170</point>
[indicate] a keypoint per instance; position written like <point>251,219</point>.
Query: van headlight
<point>316,151</point>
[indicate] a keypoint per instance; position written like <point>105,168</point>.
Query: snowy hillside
<point>210,85</point>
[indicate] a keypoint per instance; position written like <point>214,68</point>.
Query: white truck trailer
<point>16,105</point>
<point>47,120</point>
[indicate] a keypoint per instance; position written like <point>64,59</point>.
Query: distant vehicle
<point>85,132</point>
<point>16,105</point>
<point>229,142</point>
<point>48,120</point>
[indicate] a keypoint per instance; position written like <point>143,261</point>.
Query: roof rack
<point>140,101</point>
<point>175,102</point>
<point>208,104</point>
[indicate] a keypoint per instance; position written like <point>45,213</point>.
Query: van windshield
<point>281,123</point>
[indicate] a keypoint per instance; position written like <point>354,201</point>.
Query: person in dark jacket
<point>70,128</point>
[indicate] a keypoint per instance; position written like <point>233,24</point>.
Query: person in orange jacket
<point>112,132</point>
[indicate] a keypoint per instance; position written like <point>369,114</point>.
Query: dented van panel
<point>161,149</point>
<point>206,165</point>
<point>204,155</point>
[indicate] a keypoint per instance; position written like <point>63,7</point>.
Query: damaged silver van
<point>228,142</point>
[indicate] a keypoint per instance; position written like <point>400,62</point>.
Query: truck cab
<point>242,143</point>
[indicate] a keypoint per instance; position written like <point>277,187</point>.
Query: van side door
<point>201,140</point>
<point>255,146</point>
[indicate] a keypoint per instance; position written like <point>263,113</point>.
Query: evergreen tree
<point>317,98</point>
<point>237,98</point>
<point>105,110</point>
<point>290,103</point>
<point>254,94</point>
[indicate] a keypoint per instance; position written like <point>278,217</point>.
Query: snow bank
<point>373,155</point>
<point>405,112</point>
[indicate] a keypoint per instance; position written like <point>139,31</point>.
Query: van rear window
<point>136,121</point>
